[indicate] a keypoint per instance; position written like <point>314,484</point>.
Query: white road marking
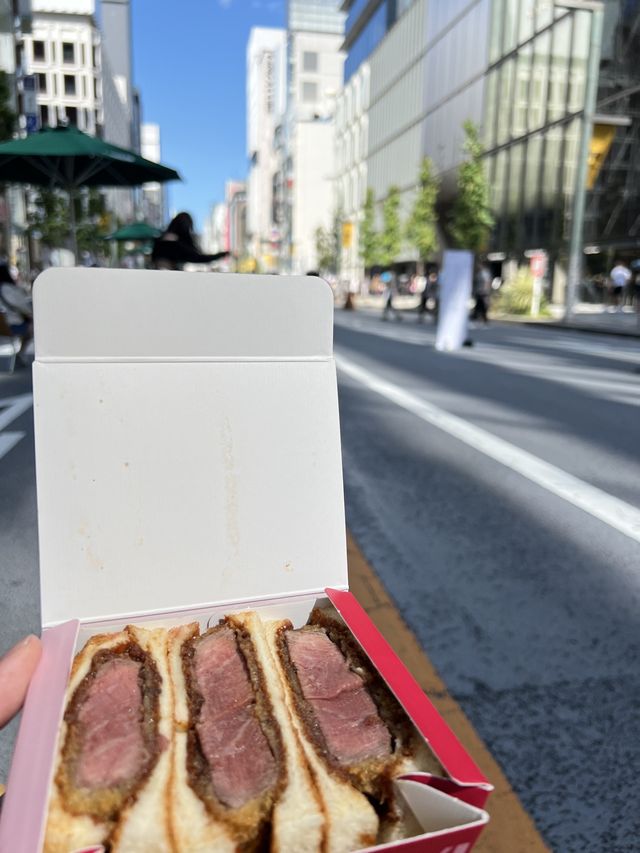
<point>8,440</point>
<point>605,383</point>
<point>603,506</point>
<point>10,409</point>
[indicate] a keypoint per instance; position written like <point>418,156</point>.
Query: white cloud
<point>225,3</point>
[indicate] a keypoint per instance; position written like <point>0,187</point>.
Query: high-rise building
<point>306,147</point>
<point>63,52</point>
<point>266,92</point>
<point>115,26</point>
<point>153,199</point>
<point>415,71</point>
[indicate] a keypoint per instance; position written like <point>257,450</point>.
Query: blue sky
<point>189,61</point>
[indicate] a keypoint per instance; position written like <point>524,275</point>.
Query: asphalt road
<point>526,604</point>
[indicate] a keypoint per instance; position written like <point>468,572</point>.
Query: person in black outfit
<point>177,246</point>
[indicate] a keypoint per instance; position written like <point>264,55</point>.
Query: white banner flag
<point>455,290</point>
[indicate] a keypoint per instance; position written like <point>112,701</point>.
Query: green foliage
<point>325,249</point>
<point>391,236</point>
<point>369,237</point>
<point>472,220</point>
<point>50,217</point>
<point>514,297</point>
<point>421,227</point>
<point>7,115</point>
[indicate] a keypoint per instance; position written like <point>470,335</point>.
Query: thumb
<point>16,669</point>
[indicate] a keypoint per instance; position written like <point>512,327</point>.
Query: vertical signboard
<point>29,102</point>
<point>455,292</point>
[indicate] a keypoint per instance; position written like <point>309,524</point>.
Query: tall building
<point>266,91</point>
<point>63,52</point>
<point>236,204</point>
<point>307,150</point>
<point>115,26</point>
<point>415,71</point>
<point>153,197</point>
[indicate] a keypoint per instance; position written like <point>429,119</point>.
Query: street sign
<point>347,234</point>
<point>538,264</point>
<point>29,102</point>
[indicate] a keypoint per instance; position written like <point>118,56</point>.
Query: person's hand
<point>16,669</point>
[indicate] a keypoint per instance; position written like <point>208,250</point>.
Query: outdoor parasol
<point>68,159</point>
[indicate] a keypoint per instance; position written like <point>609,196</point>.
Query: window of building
<point>309,60</point>
<point>96,89</point>
<point>95,57</point>
<point>309,92</point>
<point>38,51</point>
<point>69,84</point>
<point>44,115</point>
<point>83,55</point>
<point>42,83</point>
<point>68,52</point>
<point>72,115</point>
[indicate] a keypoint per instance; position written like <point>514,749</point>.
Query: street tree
<point>421,229</point>
<point>391,236</point>
<point>325,249</point>
<point>472,220</point>
<point>7,113</point>
<point>369,237</point>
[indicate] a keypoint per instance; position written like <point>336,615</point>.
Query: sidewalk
<point>586,317</point>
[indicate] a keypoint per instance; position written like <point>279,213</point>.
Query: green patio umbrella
<point>68,159</point>
<point>135,231</point>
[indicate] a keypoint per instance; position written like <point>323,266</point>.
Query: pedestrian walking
<point>482,293</point>
<point>429,297</point>
<point>389,292</point>
<point>177,246</point>
<point>619,277</point>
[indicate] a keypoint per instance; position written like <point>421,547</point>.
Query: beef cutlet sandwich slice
<point>228,767</point>
<point>298,822</point>
<point>355,732</point>
<point>113,760</point>
<point>301,663</point>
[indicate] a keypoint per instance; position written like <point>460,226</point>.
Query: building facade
<point>307,151</point>
<point>152,195</point>
<point>517,68</point>
<point>63,52</point>
<point>266,99</point>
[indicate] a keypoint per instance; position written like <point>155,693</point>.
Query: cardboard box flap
<point>168,479</point>
<point>110,314</point>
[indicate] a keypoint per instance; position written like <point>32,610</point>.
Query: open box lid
<point>187,441</point>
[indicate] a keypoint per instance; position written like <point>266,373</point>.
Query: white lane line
<point>9,440</point>
<point>10,409</point>
<point>603,506</point>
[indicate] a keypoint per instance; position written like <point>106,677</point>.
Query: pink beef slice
<point>112,747</point>
<point>344,710</point>
<point>241,763</point>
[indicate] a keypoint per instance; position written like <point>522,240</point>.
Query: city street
<point>527,605</point>
<point>496,494</point>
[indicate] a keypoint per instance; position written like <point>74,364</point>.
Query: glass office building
<point>533,103</point>
<point>518,69</point>
<point>315,16</point>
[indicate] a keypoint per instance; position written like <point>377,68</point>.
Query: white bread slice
<point>298,820</point>
<point>66,831</point>
<point>351,821</point>
<point>144,826</point>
